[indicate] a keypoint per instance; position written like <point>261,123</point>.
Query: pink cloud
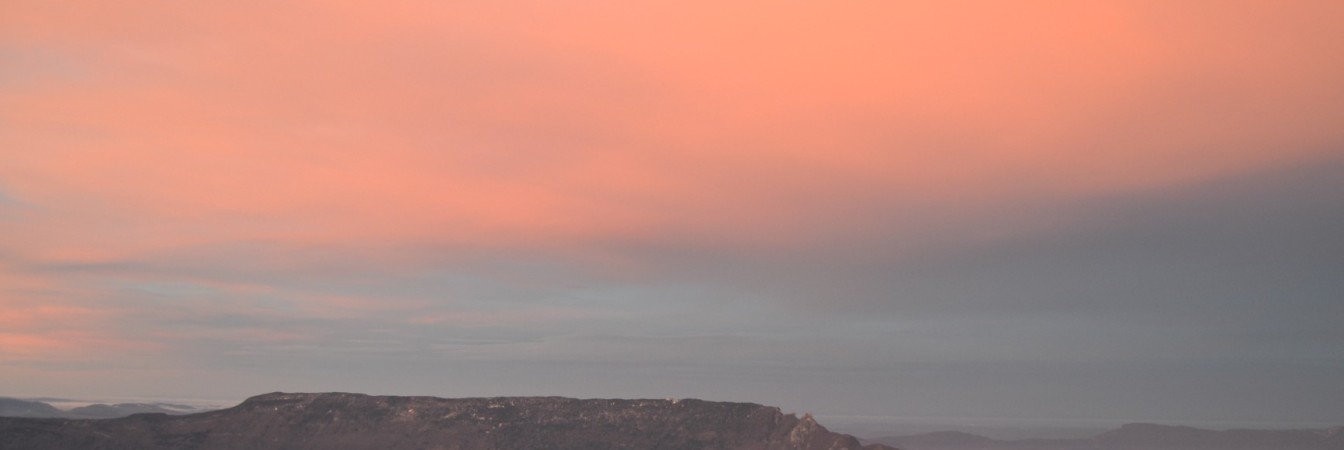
<point>553,127</point>
<point>377,124</point>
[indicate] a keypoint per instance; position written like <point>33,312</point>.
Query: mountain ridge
<point>349,421</point>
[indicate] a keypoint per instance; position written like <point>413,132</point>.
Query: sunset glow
<point>227,198</point>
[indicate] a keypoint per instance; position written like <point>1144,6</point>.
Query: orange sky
<point>477,123</point>
<point>146,130</point>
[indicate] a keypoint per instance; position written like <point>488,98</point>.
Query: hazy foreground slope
<point>335,421</point>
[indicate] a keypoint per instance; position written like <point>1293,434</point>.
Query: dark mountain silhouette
<point>355,421</point>
<point>1137,436</point>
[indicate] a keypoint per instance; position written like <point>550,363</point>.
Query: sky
<point>1039,209</point>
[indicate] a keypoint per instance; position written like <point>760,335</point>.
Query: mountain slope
<point>349,421</point>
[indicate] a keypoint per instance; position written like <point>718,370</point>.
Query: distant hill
<point>102,411</point>
<point>13,407</point>
<point>1138,436</point>
<point>354,421</point>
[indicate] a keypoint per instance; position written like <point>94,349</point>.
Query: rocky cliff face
<point>351,421</point>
